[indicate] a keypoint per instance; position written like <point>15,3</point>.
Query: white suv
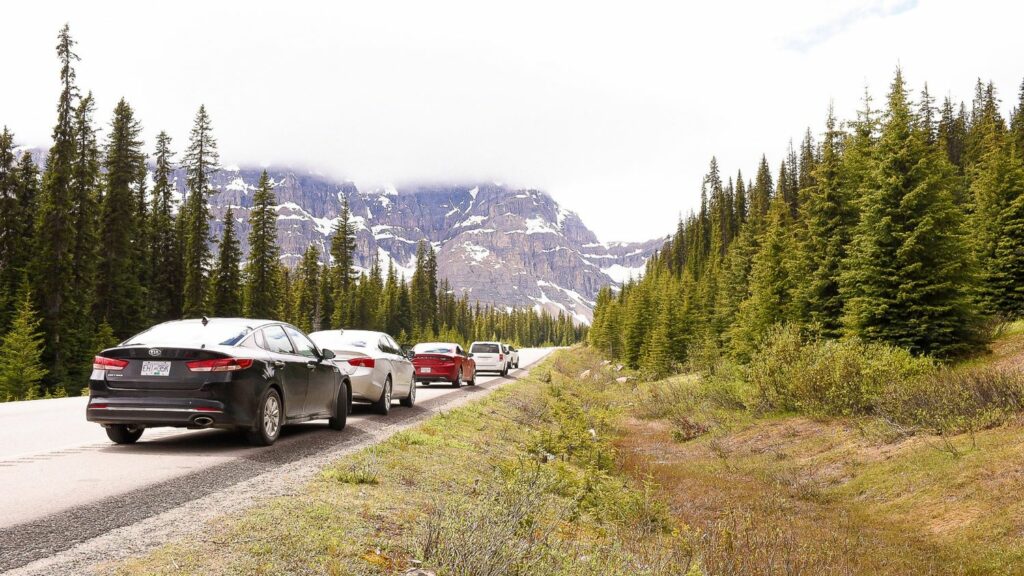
<point>490,357</point>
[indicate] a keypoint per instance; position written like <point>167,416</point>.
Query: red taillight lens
<point>362,362</point>
<point>219,365</point>
<point>103,363</point>
<point>99,405</point>
<point>501,357</point>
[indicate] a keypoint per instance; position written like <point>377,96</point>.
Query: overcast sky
<point>615,109</point>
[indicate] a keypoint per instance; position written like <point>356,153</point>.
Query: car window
<point>276,341</point>
<point>302,344</point>
<point>382,344</point>
<point>460,351</point>
<point>192,333</point>
<point>394,345</point>
<point>481,348</point>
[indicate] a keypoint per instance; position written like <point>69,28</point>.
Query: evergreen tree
<point>262,272</point>
<point>21,367</point>
<point>119,296</point>
<point>227,276</point>
<point>165,258</point>
<point>307,282</point>
<point>20,203</point>
<point>343,249</point>
<point>201,161</point>
<point>1017,123</point>
<point>52,272</point>
<point>828,217</point>
<point>9,213</point>
<point>907,277</point>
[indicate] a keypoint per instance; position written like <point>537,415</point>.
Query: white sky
<point>613,108</point>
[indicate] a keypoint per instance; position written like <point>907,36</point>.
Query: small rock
<point>418,572</point>
<point>593,433</point>
<point>623,379</point>
<point>619,367</point>
<point>605,362</point>
<point>585,374</point>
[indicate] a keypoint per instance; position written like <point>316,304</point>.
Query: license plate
<point>150,368</point>
<point>425,370</point>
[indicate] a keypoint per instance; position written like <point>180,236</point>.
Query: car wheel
<point>341,410</point>
<point>457,382</point>
<point>383,404</point>
<point>473,381</point>
<point>124,433</point>
<point>268,420</point>
<point>504,371</point>
<point>410,400</point>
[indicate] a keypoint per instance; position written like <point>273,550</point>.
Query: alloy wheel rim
<point>271,416</point>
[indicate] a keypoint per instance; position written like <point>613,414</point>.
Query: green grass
<point>558,475</point>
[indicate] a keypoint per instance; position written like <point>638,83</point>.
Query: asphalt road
<point>62,482</point>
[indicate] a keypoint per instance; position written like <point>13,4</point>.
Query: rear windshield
<point>485,349</point>
<point>433,349</point>
<point>190,333</point>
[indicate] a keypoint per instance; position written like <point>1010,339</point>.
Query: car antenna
<point>205,320</point>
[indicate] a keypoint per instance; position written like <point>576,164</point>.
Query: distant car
<point>513,356</point>
<point>443,362</point>
<point>253,375</point>
<point>379,370</point>
<point>489,357</point>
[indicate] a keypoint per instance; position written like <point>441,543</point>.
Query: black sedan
<point>234,373</point>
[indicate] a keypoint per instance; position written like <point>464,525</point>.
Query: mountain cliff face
<point>504,246</point>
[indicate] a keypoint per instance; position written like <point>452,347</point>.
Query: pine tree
<point>760,195</point>
<point>119,296</point>
<point>343,249</point>
<point>828,217</point>
<point>9,215</point>
<point>52,272</point>
<point>262,273</point>
<point>18,223</point>
<point>772,284</point>
<point>308,291</point>
<point>201,161</point>
<point>165,257</point>
<point>907,278</point>
<point>21,367</point>
<point>1017,123</point>
<point>227,275</point>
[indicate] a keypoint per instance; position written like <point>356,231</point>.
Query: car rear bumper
<point>443,374</point>
<point>177,412</point>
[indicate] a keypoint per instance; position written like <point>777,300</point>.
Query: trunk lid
<point>159,368</point>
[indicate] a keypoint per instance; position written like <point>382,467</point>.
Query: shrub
<point>955,400</point>
<point>830,377</point>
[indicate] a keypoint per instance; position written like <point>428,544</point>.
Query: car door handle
<point>311,365</point>
<point>279,363</point>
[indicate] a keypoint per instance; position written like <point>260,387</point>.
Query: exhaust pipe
<point>202,421</point>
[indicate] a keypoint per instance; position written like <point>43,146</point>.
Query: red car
<point>443,362</point>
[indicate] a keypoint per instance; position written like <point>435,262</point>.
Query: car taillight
<point>99,405</point>
<point>501,357</point>
<point>219,365</point>
<point>103,363</point>
<point>362,362</point>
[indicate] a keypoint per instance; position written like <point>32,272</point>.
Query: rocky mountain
<point>504,246</point>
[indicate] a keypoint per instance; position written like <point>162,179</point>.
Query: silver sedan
<point>375,364</point>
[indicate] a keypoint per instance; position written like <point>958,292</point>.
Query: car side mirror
<point>470,355</point>
<point>327,354</point>
<point>410,354</point>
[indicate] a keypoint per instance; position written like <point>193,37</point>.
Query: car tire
<point>270,411</point>
<point>383,404</point>
<point>473,381</point>
<point>410,400</point>
<point>124,433</point>
<point>457,382</point>
<point>504,371</point>
<point>340,418</point>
